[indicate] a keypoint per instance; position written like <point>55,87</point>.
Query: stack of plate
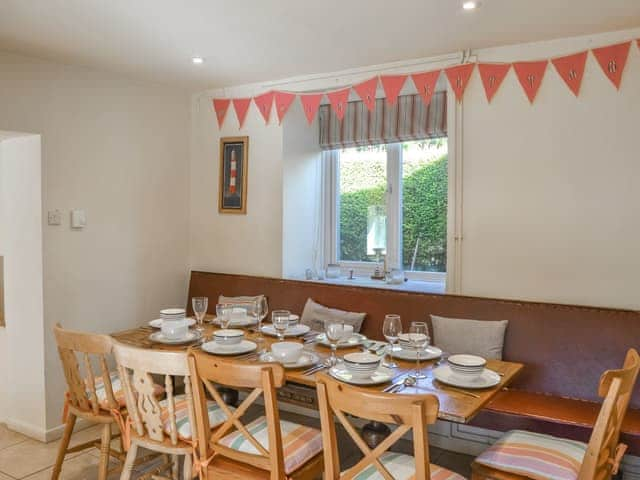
<point>468,366</point>
<point>172,314</point>
<point>361,365</point>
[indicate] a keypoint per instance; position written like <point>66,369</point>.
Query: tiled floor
<point>23,458</point>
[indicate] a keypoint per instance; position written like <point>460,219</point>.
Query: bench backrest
<point>565,348</point>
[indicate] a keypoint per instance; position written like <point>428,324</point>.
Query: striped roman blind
<point>409,119</point>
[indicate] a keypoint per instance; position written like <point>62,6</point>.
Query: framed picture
<point>234,157</point>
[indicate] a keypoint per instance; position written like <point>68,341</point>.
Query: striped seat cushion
<point>535,455</point>
<point>300,443</point>
<point>216,416</point>
<point>403,467</point>
<point>118,392</point>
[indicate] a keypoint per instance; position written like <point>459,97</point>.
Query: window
<point>391,200</point>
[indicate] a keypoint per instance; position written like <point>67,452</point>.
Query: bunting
<point>221,105</point>
<point>492,75</point>
<point>571,70</point>
<point>367,92</point>
<point>530,75</point>
<point>459,78</point>
<point>612,60</point>
<point>426,84</point>
<point>392,84</point>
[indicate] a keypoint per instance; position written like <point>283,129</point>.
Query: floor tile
<point>28,457</point>
<point>82,467</point>
<point>9,437</point>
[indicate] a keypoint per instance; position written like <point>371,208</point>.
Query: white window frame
<point>331,175</point>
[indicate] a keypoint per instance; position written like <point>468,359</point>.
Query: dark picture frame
<point>234,160</point>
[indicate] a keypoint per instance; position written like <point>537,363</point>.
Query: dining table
<point>457,404</point>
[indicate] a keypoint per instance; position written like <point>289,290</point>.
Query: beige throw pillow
<point>476,337</point>
<point>315,315</point>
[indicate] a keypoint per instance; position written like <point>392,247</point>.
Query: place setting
<point>466,371</point>
<point>174,328</point>
<point>229,342</point>
<point>285,324</point>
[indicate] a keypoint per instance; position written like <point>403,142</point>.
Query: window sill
<point>408,286</point>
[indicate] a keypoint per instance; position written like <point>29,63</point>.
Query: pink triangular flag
<point>264,103</point>
<point>459,78</point>
<point>241,106</point>
<point>283,102</point>
<point>392,84</point>
<point>367,92</point>
<point>426,84</point>
<point>338,101</point>
<point>492,75</point>
<point>221,105</point>
<point>530,75</point>
<point>310,105</point>
<point>571,70</point>
<point>612,59</point>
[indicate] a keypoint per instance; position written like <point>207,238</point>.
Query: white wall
<point>120,150</point>
<point>549,210</point>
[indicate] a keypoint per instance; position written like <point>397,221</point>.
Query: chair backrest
<point>263,379</point>
<point>409,412</point>
<point>85,364</point>
<point>604,453</point>
<point>149,418</point>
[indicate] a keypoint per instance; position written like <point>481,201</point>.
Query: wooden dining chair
<point>266,448</point>
<point>164,426</point>
<point>410,413</point>
<point>521,455</point>
<point>93,392</point>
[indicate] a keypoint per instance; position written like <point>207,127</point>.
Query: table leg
<point>373,433</point>
<point>229,395</point>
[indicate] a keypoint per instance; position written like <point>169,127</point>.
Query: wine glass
<point>223,313</point>
<point>200,305</point>
<point>261,310</point>
<point>418,339</point>
<point>280,321</point>
<point>335,333</point>
<point>391,329</point>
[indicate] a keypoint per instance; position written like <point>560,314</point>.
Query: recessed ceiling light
<point>197,60</point>
<point>470,5</point>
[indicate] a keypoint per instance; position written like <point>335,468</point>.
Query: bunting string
<point>612,60</point>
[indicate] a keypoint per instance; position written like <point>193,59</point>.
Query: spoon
<point>409,381</point>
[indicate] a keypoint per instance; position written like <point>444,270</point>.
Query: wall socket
<point>54,217</point>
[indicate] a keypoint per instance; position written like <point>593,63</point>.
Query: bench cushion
<point>216,416</point>
<point>535,455</point>
<point>403,467</point>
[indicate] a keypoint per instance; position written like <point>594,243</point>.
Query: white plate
<point>382,375</point>
<point>353,341</point>
<point>192,336</point>
<point>306,360</point>
<point>428,353</point>
<point>487,379</point>
<point>294,331</point>
<point>245,322</point>
<point>245,346</point>
<point>157,323</point>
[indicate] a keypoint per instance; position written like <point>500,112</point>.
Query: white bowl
<point>468,366</point>
<point>287,352</point>
<point>228,336</point>
<point>293,319</point>
<point>175,329</point>
<point>361,365</point>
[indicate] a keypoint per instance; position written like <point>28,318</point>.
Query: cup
<point>175,329</point>
<point>287,352</point>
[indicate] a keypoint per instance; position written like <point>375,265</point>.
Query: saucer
<point>191,336</point>
<point>487,379</point>
<point>294,331</point>
<point>428,353</point>
<point>353,341</point>
<point>157,323</point>
<point>306,360</point>
<point>381,375</point>
<point>245,346</point>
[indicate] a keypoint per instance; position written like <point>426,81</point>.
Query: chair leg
<point>186,468</point>
<point>64,445</point>
<point>105,447</point>
<point>129,462</point>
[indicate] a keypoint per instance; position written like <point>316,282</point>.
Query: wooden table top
<point>456,404</point>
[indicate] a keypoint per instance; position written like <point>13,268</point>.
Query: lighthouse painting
<point>234,152</point>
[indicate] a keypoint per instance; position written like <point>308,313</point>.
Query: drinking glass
<point>419,339</point>
<point>223,312</point>
<point>391,329</point>
<point>335,333</point>
<point>280,321</point>
<point>200,305</point>
<point>261,309</point>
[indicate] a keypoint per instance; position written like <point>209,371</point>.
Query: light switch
<point>54,217</point>
<point>78,219</point>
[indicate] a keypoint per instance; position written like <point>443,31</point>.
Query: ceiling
<point>245,41</point>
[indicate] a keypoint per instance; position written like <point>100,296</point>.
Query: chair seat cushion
<point>300,443</point>
<point>535,455</point>
<point>216,416</point>
<point>118,391</point>
<point>403,467</point>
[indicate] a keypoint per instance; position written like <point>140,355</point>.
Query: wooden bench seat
<point>554,415</point>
